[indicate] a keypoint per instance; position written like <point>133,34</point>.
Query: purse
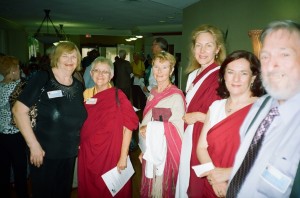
<point>33,111</point>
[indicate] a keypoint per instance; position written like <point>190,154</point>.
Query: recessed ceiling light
<point>139,36</point>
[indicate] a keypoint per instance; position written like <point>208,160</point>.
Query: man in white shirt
<point>275,165</point>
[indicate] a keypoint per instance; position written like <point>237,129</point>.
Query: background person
<point>207,52</point>
<point>164,99</point>
<point>53,143</point>
<point>106,133</point>
<point>277,158</point>
<point>138,68</point>
<point>124,70</point>
<point>239,86</point>
<point>159,44</point>
<point>92,55</point>
<point>12,144</point>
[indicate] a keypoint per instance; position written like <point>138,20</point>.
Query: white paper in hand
<point>202,168</point>
<point>115,181</point>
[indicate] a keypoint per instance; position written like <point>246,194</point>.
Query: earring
<point>216,56</point>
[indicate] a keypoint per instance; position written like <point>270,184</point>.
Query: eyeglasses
<point>97,71</point>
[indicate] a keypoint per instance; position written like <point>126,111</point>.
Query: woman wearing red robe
<point>207,52</point>
<point>239,85</point>
<point>106,133</point>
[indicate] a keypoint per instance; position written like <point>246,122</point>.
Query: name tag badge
<point>55,94</point>
<point>91,101</point>
<point>276,178</point>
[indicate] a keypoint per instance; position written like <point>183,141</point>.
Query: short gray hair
<point>288,25</point>
<point>104,60</point>
<point>122,54</point>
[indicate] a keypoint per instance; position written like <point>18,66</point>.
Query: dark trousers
<point>53,179</point>
<point>13,155</point>
<point>138,97</point>
<point>127,91</point>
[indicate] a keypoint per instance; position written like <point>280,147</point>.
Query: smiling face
<point>205,49</point>
<point>280,64</point>
<point>238,77</point>
<point>161,71</point>
<point>68,61</point>
<point>101,75</point>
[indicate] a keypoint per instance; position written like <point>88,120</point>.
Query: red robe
<point>224,140</point>
<point>100,142</point>
<point>204,97</point>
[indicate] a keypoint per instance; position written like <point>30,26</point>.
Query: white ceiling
<point>97,17</point>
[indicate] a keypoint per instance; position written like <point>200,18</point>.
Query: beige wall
<point>236,15</point>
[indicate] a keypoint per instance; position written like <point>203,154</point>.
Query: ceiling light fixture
<point>48,37</point>
<point>139,36</point>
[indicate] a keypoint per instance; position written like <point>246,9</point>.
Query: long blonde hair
<point>219,39</point>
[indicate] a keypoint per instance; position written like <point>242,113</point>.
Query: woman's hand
<point>191,118</point>
<point>36,154</point>
<point>122,164</point>
<point>220,189</point>
<point>141,157</point>
<point>143,131</point>
<point>218,175</point>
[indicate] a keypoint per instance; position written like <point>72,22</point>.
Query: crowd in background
<point>238,117</point>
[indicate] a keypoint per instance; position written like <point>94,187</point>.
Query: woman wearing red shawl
<point>161,131</point>
<point>207,51</point>
<point>106,133</point>
<point>239,85</point>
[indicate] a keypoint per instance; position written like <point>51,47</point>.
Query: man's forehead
<point>282,38</point>
<point>284,34</point>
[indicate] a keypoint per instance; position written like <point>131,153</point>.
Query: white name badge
<point>55,94</point>
<point>91,101</point>
<point>276,178</point>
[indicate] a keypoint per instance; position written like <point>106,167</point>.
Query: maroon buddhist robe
<point>100,142</point>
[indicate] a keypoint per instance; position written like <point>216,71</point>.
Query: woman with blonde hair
<point>53,142</point>
<point>161,131</point>
<point>207,53</point>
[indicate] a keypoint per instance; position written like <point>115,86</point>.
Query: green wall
<point>13,40</point>
<point>236,15</point>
